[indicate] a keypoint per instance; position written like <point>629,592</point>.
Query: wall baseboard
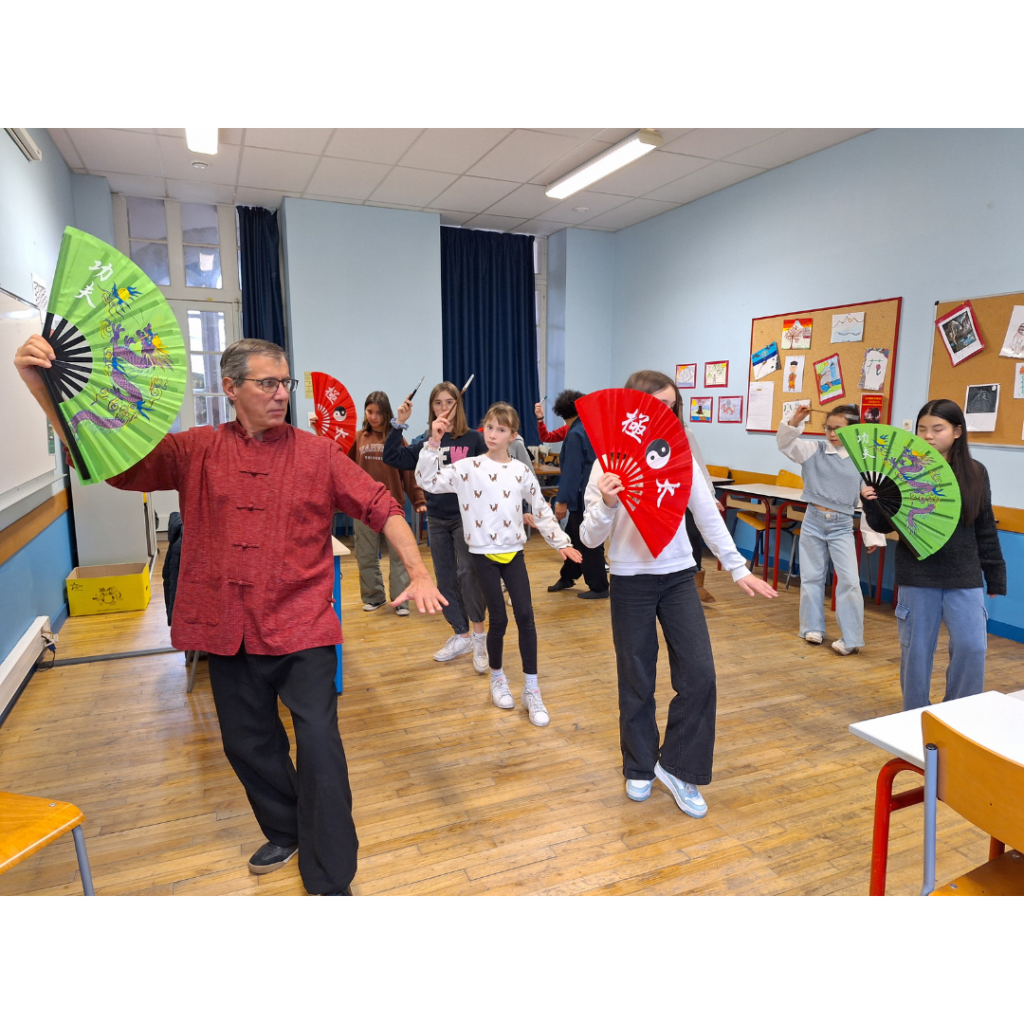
<point>19,663</point>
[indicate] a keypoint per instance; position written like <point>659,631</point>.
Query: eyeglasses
<point>444,403</point>
<point>271,384</point>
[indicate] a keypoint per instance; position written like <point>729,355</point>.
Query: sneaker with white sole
<point>402,610</point>
<point>535,705</point>
<point>638,789</point>
<point>454,646</point>
<point>480,660</point>
<point>840,648</point>
<point>686,794</point>
<point>373,607</point>
<point>814,637</point>
<point>501,695</point>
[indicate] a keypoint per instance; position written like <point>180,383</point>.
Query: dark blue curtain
<point>488,321</point>
<point>259,245</point>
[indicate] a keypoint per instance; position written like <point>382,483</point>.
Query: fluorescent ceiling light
<point>622,153</point>
<point>201,140</point>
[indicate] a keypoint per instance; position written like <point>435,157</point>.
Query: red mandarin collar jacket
<point>256,558</point>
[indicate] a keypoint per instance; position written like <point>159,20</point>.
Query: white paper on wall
<point>760,401</point>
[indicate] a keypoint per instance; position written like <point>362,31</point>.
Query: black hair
<point>965,469</point>
<point>564,406</point>
<point>849,412</point>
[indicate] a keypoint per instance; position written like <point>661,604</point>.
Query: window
<point>147,234</point>
<point>200,236</point>
<point>207,339</point>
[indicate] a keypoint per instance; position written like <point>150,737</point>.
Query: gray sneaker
<point>686,794</point>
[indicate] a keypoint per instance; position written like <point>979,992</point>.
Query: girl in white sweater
<point>491,489</point>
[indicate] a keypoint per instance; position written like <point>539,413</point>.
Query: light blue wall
<point>94,210</point>
<point>556,283</point>
<point>363,293</point>
<point>589,309</point>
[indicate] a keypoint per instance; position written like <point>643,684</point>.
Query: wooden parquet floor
<point>453,796</point>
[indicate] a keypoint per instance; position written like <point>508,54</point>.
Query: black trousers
<point>638,604</point>
<point>696,540</point>
<point>592,566</point>
<point>489,575</point>
<point>308,804</point>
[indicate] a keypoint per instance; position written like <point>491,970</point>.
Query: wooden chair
<point>28,823</point>
<point>985,788</point>
<point>756,520</point>
<point>719,471</point>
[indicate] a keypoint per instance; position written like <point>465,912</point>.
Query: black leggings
<point>489,575</point>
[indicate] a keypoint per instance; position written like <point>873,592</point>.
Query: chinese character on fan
<point>665,488</point>
<point>332,394</point>
<point>635,424</point>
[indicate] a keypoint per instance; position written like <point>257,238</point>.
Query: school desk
<point>766,493</point>
<point>993,719</point>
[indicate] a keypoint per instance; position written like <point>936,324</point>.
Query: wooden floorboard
<point>453,796</point>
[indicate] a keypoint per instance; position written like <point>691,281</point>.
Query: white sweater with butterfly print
<point>491,496</point>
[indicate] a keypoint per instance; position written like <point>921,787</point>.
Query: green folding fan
<point>917,489</point>
<point>121,367</point>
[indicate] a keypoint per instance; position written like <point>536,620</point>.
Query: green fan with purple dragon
<point>121,367</point>
<point>916,488</point>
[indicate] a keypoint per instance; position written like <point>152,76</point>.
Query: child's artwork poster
<point>716,375</point>
<point>959,331</point>
<point>1018,381</point>
<point>793,374</point>
<point>847,327</point>
<point>686,375</point>
<point>1013,343</point>
<point>871,408</point>
<point>730,409</point>
<point>829,375</point>
<point>796,334</point>
<point>700,410</point>
<point>765,360</point>
<point>872,373</point>
<point>789,408</point>
<point>981,407</point>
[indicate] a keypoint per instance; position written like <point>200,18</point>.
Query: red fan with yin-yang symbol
<point>640,439</point>
<point>335,410</point>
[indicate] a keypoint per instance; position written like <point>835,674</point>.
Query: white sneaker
<point>840,648</point>
<point>501,696</point>
<point>686,794</point>
<point>535,705</point>
<point>638,789</point>
<point>402,610</point>
<point>814,638</point>
<point>373,607</point>
<point>480,660</point>
<point>454,646</point>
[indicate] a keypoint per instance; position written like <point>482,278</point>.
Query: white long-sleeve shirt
<point>628,555</point>
<point>491,496</point>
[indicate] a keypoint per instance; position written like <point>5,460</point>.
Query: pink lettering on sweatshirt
<point>457,453</point>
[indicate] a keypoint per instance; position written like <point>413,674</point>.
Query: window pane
<point>202,267</point>
<point>146,218</point>
<point>199,376</point>
<point>212,410</point>
<point>199,223</point>
<point>152,258</point>
<point>206,332</point>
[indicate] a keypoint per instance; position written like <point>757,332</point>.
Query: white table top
<point>719,480</point>
<point>766,491</point>
<point>993,719</point>
<point>339,548</point>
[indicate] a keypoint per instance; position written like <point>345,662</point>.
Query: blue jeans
<point>826,534</point>
<point>918,615</point>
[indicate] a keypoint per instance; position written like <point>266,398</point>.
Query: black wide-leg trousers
<point>308,804</point>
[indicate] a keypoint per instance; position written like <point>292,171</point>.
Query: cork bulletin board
<point>992,315</point>
<point>838,339</point>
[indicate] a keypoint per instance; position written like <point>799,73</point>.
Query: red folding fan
<point>335,410</point>
<point>641,440</point>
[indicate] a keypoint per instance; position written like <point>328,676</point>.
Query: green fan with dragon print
<point>121,368</point>
<point>917,490</point>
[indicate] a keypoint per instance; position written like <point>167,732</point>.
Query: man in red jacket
<point>255,590</point>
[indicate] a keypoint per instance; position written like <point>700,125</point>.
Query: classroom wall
<point>363,299</point>
<point>923,214</point>
<point>94,209</point>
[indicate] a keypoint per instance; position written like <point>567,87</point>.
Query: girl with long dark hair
<point>950,585</point>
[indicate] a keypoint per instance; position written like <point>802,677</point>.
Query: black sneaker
<point>269,857</point>
<point>560,585</point>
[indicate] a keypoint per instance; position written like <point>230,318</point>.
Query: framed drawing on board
<point>960,333</point>
<point>829,374</point>
<point>686,375</point>
<point>716,375</point>
<point>730,409</point>
<point>700,410</point>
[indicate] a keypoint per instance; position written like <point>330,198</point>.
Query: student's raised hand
<point>800,415</point>
<point>609,484</point>
<point>438,429</point>
<point>868,493</point>
<point>529,520</point>
<point>571,553</point>
<point>538,411</point>
<point>754,586</point>
<point>404,411</point>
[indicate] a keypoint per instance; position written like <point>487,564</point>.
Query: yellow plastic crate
<point>96,589</point>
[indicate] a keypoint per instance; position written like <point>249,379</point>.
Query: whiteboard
<point>26,464</point>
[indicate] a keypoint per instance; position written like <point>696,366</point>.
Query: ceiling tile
<point>346,179</point>
<point>231,136</point>
<point>412,187</point>
<point>708,179</point>
<point>177,159</point>
<point>580,155</point>
<point>613,135</point>
<point>289,140</point>
<point>267,198</point>
<point>137,185</point>
<point>566,211</point>
<point>716,143</point>
<point>66,148</point>
<point>540,227</point>
<point>266,168</point>
<point>671,134</point>
<point>793,144</point>
<point>648,173</point>
<point>198,192</point>
<point>451,149</point>
<point>630,213</point>
<point>110,149</point>
<point>491,223</point>
<point>378,145</point>
<point>525,201</point>
<point>397,206</point>
<point>176,133</point>
<point>453,218</point>
<point>575,133</point>
<point>476,194</point>
<point>523,154</point>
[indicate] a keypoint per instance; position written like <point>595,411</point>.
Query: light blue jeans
<point>919,613</point>
<point>825,534</point>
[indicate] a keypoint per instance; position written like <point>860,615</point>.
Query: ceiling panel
<point>137,185</point>
<point>523,154</point>
<point>197,192</point>
<point>539,226</point>
<point>66,147</point>
<point>489,222</point>
<point>451,149</point>
<point>453,218</point>
<point>289,140</point>
<point>651,171</point>
<point>594,203</point>
<point>633,212</point>
<point>260,197</point>
<point>110,149</point>
<point>717,143</point>
<point>525,201</point>
<point>574,133</point>
<point>177,159</point>
<point>476,194</point>
<point>562,166</point>
<point>379,145</point>
<point>346,179</point>
<point>266,168</point>
<point>412,187</point>
<point>793,144</point>
<point>703,182</point>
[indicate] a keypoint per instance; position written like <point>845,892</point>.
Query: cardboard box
<point>95,589</point>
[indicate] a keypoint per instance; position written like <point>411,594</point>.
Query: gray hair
<point>234,362</point>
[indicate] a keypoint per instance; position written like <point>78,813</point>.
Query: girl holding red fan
<point>646,590</point>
